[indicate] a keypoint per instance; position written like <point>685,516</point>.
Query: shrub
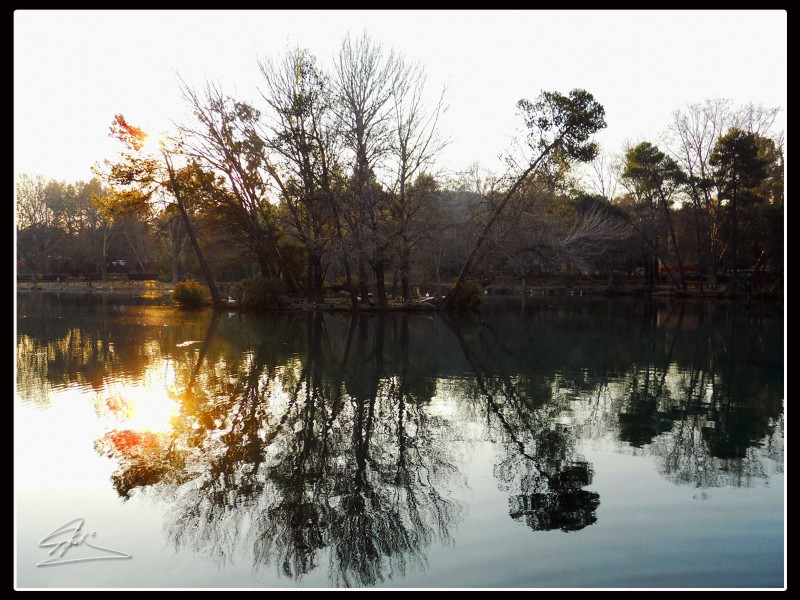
<point>189,294</point>
<point>259,292</point>
<point>469,296</point>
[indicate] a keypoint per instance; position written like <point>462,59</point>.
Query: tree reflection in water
<point>538,464</point>
<point>722,420</point>
<point>314,441</point>
<point>329,453</point>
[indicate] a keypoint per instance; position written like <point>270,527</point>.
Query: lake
<point>551,443</point>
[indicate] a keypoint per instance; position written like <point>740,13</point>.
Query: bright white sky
<point>74,70</point>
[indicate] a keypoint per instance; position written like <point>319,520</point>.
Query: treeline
<point>331,182</point>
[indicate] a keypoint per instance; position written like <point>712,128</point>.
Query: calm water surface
<point>559,444</point>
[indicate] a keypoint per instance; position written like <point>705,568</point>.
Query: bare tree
<point>38,227</point>
<point>305,141</point>
<point>603,178</point>
<point>416,143</point>
<point>694,131</point>
<point>546,227</point>
<point>364,84</point>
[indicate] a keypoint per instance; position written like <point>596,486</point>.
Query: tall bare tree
<point>38,227</point>
<point>416,143</point>
<point>303,137</point>
<point>364,83</point>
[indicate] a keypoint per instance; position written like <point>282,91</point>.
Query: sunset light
<point>143,405</point>
<point>152,144</point>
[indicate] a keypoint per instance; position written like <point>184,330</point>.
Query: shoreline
<point>579,289</point>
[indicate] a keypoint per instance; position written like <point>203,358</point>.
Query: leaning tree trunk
<point>212,287</point>
<point>462,276</point>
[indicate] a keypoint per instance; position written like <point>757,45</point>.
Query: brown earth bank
<point>430,296</point>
